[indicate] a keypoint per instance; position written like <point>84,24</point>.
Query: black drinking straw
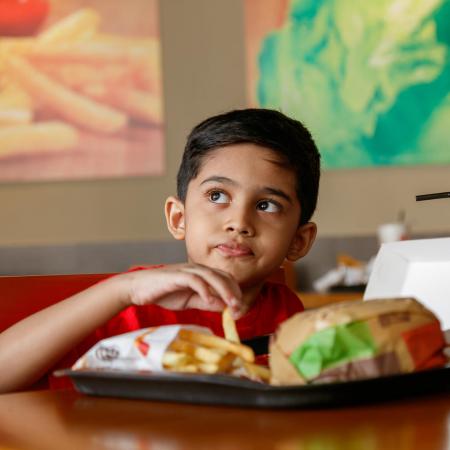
<point>432,196</point>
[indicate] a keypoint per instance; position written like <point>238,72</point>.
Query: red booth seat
<point>21,296</point>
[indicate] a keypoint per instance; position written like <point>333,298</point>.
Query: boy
<point>246,190</point>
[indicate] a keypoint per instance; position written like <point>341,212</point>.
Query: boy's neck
<point>250,294</point>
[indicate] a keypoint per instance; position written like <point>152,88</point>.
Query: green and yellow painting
<point>370,79</point>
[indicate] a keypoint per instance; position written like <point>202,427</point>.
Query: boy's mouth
<point>234,249</point>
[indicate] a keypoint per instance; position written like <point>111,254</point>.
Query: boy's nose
<point>243,230</point>
<point>241,224</point>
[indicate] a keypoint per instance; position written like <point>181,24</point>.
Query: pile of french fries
<point>80,79</point>
<point>196,352</point>
<point>176,348</point>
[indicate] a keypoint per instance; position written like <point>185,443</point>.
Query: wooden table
<point>64,420</point>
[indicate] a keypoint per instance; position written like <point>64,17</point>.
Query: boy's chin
<point>237,273</point>
<point>244,279</point>
<point>243,273</point>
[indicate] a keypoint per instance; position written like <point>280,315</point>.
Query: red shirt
<point>275,303</point>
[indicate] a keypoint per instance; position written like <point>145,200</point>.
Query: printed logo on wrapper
<point>107,353</point>
<point>138,350</point>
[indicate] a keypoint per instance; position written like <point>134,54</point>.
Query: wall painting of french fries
<point>82,97</point>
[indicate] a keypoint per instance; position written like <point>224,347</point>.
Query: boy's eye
<point>218,197</point>
<point>268,206</point>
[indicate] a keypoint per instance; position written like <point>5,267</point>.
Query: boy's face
<point>241,214</point>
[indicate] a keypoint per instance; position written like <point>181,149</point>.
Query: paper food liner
<point>349,341</point>
<point>140,350</point>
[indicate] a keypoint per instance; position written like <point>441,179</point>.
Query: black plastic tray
<point>228,390</point>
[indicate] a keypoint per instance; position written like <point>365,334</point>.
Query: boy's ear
<point>302,241</point>
<point>174,210</point>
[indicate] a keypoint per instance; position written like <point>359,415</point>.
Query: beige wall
<point>355,202</point>
<point>204,74</point>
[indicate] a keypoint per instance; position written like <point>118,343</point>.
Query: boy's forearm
<point>30,347</point>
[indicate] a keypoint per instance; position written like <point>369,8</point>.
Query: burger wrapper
<point>140,350</point>
<point>350,341</point>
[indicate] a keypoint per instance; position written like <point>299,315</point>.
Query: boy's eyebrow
<point>266,189</point>
<point>278,193</point>
<point>218,179</point>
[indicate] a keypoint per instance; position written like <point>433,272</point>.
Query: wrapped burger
<point>350,341</point>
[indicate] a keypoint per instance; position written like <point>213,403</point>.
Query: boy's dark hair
<point>287,137</point>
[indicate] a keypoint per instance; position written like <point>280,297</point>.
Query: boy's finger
<point>225,287</point>
<point>202,294</point>
<point>197,284</point>
<point>223,284</point>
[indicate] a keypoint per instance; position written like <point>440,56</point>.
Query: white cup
<point>391,232</point>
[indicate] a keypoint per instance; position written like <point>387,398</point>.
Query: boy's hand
<point>183,286</point>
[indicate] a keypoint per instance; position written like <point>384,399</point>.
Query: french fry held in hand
<point>229,326</point>
<point>254,371</point>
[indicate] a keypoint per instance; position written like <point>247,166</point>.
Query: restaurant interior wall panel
<point>46,227</point>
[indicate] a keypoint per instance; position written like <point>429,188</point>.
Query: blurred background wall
<point>107,225</point>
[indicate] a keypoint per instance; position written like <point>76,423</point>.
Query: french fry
<point>139,105</point>
<point>207,360</point>
<point>15,116</point>
<point>44,136</point>
<point>13,95</point>
<point>208,368</point>
<point>200,353</point>
<point>173,360</point>
<point>17,46</point>
<point>81,76</point>
<point>80,25</point>
<point>226,363</point>
<point>141,60</point>
<point>211,341</point>
<point>147,75</point>
<point>189,368</point>
<point>15,105</point>
<point>75,108</point>
<point>229,326</point>
<point>256,371</point>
